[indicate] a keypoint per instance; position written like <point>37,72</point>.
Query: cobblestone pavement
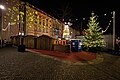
<point>16,65</point>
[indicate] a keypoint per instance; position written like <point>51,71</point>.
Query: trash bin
<point>76,45</point>
<point>21,48</point>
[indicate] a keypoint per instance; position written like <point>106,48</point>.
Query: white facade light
<point>19,33</point>
<point>22,34</point>
<point>2,7</point>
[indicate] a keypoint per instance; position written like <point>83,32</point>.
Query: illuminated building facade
<point>21,17</point>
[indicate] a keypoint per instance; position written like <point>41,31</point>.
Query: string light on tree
<point>104,14</point>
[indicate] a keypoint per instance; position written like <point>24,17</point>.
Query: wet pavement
<point>16,65</point>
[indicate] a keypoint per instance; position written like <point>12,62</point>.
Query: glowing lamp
<point>2,7</point>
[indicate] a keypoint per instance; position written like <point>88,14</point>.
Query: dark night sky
<point>81,9</point>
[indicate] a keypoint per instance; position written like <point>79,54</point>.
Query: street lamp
<point>114,30</point>
<point>21,47</point>
<point>1,27</point>
<point>2,7</point>
<point>114,35</point>
<point>21,34</point>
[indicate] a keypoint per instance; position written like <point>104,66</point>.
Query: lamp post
<point>21,47</point>
<point>114,30</point>
<point>22,26</point>
<point>1,27</point>
<point>21,34</point>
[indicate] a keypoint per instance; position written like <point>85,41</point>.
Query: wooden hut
<point>44,42</point>
<point>29,41</point>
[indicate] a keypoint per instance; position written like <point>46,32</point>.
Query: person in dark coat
<point>116,51</point>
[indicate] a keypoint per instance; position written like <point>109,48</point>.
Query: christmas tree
<point>93,39</point>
